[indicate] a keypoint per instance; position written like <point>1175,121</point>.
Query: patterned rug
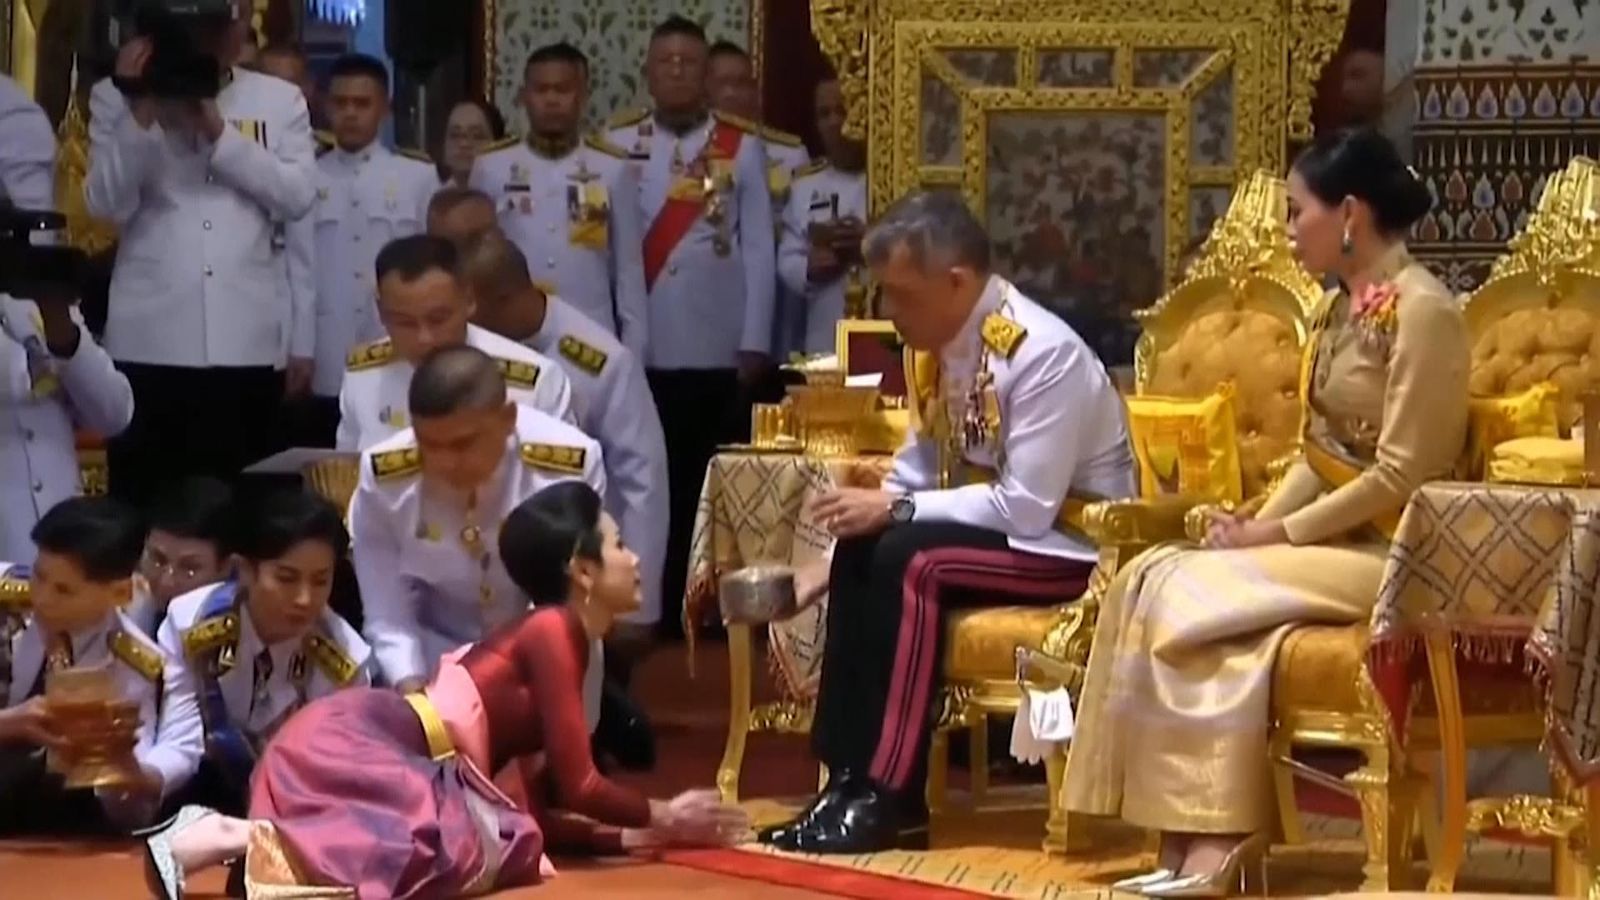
<point>992,853</point>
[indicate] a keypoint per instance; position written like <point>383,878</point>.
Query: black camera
<point>180,66</point>
<point>32,271</point>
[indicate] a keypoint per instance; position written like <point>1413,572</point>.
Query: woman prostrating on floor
<point>387,796</point>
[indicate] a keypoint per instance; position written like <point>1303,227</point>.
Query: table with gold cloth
<point>1489,595</point>
<point>755,507</point>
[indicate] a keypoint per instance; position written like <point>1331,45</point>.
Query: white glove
<point>1043,721</point>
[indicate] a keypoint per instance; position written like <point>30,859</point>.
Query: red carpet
<point>826,879</point>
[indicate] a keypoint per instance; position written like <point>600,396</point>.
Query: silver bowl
<point>756,595</point>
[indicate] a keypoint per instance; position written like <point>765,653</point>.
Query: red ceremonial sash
<point>678,215</point>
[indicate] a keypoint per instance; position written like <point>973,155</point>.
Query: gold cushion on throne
<point>981,643</point>
<point>1186,447</point>
<point>1529,347</point>
<point>1319,666</point>
<point>1257,352</point>
<point>1495,420</point>
<point>1538,460</point>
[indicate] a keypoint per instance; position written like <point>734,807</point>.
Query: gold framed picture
<point>872,346</point>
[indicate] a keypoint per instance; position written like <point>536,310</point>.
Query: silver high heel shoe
<point>162,872</point>
<point>1137,883</point>
<point>1243,870</point>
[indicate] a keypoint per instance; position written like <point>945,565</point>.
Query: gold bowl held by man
<point>98,728</point>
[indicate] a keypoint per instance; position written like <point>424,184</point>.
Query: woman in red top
<point>373,794</point>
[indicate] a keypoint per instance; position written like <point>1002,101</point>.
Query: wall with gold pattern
<point>614,34</point>
<point>1504,94</point>
<point>1098,139</point>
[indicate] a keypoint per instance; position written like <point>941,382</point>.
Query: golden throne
<point>1240,315</point>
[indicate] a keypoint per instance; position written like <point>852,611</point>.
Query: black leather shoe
<point>876,819</point>
<point>624,733</point>
<point>842,786</point>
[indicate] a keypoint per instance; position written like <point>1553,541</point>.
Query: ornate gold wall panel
<point>1098,139</point>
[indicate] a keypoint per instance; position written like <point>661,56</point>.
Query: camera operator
<point>195,159</point>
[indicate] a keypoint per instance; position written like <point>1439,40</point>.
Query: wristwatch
<point>902,509</point>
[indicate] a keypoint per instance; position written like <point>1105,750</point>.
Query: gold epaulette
<point>1002,334</point>
<point>628,117</point>
<point>518,373</point>
<point>739,122</point>
<point>599,142</point>
<point>509,140</point>
<point>768,133</point>
<point>331,659</point>
<point>139,658</point>
<point>16,594</point>
<point>208,634</point>
<point>555,458</point>
<point>396,463</point>
<point>811,168</point>
<point>411,153</point>
<point>589,358</point>
<point>370,356</point>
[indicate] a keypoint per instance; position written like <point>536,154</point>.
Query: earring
<point>1345,244</point>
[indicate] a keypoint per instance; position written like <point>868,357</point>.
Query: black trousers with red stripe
<point>881,665</point>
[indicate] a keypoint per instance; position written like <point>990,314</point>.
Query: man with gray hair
<point>1016,426</point>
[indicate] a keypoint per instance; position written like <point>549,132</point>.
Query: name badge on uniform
<point>588,215</point>
<point>254,129</point>
<point>819,202</point>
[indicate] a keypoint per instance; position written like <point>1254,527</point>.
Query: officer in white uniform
<point>88,550</point>
<point>567,203</point>
<point>197,308</point>
<point>1017,424</point>
<point>709,261</point>
<point>608,384</point>
<point>53,378</point>
<point>367,195</point>
<point>426,514</point>
<point>27,150</point>
<point>425,308</point>
<point>826,192</point>
<point>245,688</point>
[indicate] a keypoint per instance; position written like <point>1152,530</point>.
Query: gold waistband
<point>1337,471</point>
<point>440,747</point>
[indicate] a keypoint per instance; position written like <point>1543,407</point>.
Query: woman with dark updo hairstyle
<point>390,795</point>
<point>1172,726</point>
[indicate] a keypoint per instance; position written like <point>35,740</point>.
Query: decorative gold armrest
<point>1137,523</point>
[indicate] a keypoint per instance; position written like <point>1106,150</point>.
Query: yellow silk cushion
<point>981,643</point>
<point>1186,447</point>
<point>1260,354</point>
<point>1532,346</point>
<point>1318,668</point>
<point>1538,460</point>
<point>1495,420</point>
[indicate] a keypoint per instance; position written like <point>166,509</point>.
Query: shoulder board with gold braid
<point>370,356</point>
<point>555,458</point>
<point>628,117</point>
<point>739,122</point>
<point>208,634</point>
<point>140,658</point>
<point>587,357</point>
<point>16,594</point>
<point>784,138</point>
<point>517,373</point>
<point>331,658</point>
<point>412,153</point>
<point>400,463</point>
<point>1003,335</point>
<point>509,140</point>
<point>599,142</point>
<point>811,168</point>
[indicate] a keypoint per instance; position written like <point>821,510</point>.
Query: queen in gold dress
<point>1172,728</point>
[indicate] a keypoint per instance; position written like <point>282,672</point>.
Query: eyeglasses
<point>154,563</point>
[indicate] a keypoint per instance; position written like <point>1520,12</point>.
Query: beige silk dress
<point>1172,725</point>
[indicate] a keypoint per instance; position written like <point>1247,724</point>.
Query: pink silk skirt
<point>359,802</point>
